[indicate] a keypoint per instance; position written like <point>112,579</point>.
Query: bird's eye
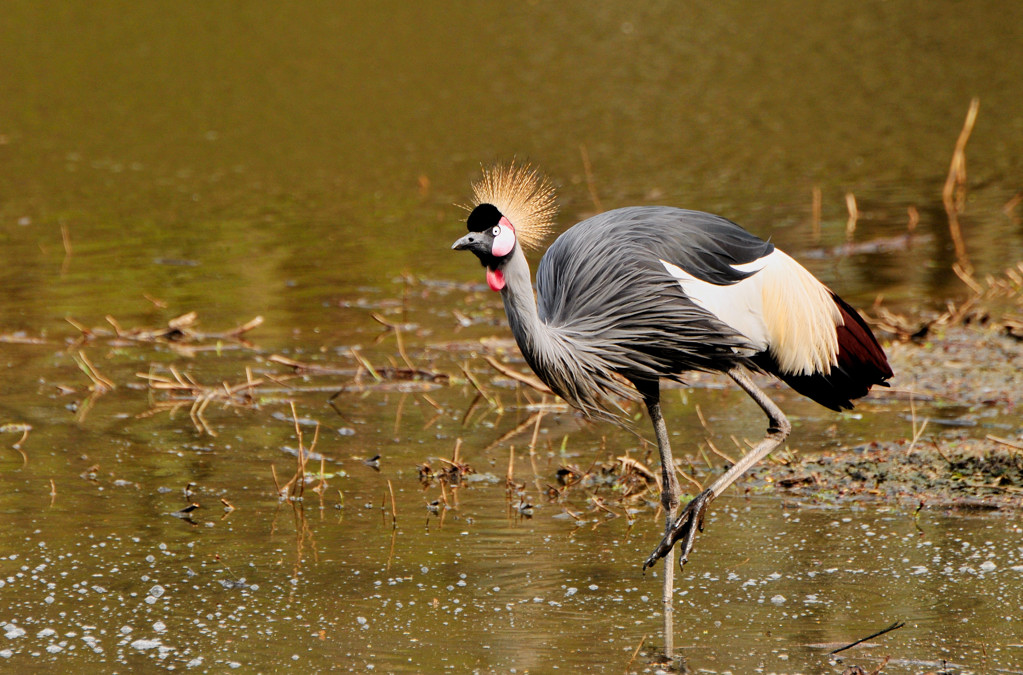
<point>496,231</point>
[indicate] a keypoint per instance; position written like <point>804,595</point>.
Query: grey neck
<point>520,304</point>
<point>562,357</point>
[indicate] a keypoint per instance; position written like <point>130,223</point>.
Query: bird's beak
<point>463,243</point>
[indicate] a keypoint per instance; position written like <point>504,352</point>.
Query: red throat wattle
<point>495,279</point>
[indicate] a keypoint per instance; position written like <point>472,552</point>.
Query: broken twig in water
<point>393,328</point>
<point>394,508</point>
<point>635,653</point>
<point>1005,441</point>
<point>180,333</point>
<point>523,426</point>
<point>476,385</point>
<point>100,384</point>
<point>182,389</point>
<point>13,428</point>
<point>894,626</point>
<point>386,377</point>
<point>517,376</point>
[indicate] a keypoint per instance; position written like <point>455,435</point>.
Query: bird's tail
<point>861,364</point>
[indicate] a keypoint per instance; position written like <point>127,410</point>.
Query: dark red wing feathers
<point>858,349</point>
<point>861,364</point>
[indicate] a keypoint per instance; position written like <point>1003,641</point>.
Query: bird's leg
<point>691,518</point>
<point>670,489</point>
<point>669,500</point>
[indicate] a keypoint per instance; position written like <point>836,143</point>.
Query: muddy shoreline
<point>968,450</point>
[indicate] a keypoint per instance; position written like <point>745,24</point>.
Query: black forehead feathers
<point>483,217</point>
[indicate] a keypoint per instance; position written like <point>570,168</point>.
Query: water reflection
<point>301,165</point>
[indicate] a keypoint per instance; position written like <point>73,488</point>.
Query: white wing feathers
<point>781,309</point>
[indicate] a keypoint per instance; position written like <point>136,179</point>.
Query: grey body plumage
<point>606,308</point>
<point>602,286</point>
<point>639,294</point>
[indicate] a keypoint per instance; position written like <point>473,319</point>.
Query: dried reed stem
<point>477,386</point>
<point>953,194</point>
<point>277,485</point>
<point>16,428</point>
<point>691,479</point>
<point>517,376</point>
<point>917,431</point>
<point>100,383</point>
<point>635,653</point>
<point>366,364</point>
<point>719,453</point>
<point>391,327</point>
<point>894,626</point>
<point>65,237</point>
<point>1004,441</point>
<point>854,215</point>
<point>394,508</point>
<point>514,432</point>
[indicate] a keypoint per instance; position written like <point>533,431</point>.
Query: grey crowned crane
<point>638,294</point>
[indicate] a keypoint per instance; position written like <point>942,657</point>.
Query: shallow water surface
<point>266,587</point>
<point>301,165</point>
<point>108,562</point>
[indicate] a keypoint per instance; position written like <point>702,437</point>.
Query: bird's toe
<point>684,529</point>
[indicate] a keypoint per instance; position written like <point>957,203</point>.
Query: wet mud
<point>965,386</point>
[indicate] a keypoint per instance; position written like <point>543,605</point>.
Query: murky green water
<point>301,164</point>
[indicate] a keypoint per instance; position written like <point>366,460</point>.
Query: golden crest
<point>523,195</point>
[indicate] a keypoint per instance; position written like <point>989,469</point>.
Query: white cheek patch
<point>504,242</point>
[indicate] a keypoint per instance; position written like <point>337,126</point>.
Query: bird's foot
<point>684,528</point>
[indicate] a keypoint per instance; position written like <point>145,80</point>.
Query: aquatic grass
<point>294,489</point>
<point>184,390</point>
<point>181,333</point>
